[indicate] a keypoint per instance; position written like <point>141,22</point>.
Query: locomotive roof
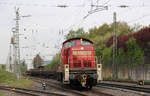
<point>77,39</point>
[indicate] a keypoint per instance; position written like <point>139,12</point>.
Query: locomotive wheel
<point>89,87</point>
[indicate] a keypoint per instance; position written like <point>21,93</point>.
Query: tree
<point>121,57</point>
<point>134,53</point>
<point>107,56</point>
<point>123,28</point>
<point>37,61</point>
<point>142,39</point>
<point>23,66</point>
<point>74,34</point>
<point>55,62</point>
<point>99,35</point>
<point>104,33</point>
<point>131,56</point>
<point>3,66</point>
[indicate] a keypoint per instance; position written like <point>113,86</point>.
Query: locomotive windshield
<point>69,44</point>
<point>83,42</point>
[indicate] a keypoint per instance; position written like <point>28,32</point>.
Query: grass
<point>24,83</point>
<point>7,78</point>
<point>2,94</point>
<point>146,80</point>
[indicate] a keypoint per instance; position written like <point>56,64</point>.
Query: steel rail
<point>28,91</point>
<point>129,81</point>
<point>129,87</point>
<point>54,83</point>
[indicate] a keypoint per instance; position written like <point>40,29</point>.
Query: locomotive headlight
<point>66,69</point>
<point>82,48</point>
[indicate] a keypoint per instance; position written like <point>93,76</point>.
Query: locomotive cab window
<point>69,44</point>
<point>83,42</point>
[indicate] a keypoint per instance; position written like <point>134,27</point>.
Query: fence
<point>135,73</point>
<point>128,68</point>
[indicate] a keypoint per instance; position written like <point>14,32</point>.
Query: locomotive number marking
<point>82,53</point>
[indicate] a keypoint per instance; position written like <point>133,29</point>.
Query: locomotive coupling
<point>83,79</point>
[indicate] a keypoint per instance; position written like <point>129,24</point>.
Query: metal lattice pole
<point>114,65</point>
<point>16,43</point>
<point>16,48</point>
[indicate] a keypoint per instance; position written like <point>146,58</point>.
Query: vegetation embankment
<point>7,78</point>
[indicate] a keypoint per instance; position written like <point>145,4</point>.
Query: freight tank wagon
<point>78,66</point>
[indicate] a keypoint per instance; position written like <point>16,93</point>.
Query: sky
<point>43,32</point>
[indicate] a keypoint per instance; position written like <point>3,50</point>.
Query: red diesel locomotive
<point>78,66</point>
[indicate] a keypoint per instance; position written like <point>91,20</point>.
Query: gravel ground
<point>123,83</point>
<point>10,93</point>
<point>111,91</point>
<point>120,92</point>
<point>114,91</point>
<point>38,86</point>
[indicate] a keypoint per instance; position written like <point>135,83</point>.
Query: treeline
<point>131,55</point>
<point>131,46</point>
<point>133,49</point>
<point>55,61</point>
<point>142,39</point>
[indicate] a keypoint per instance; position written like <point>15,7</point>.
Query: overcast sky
<point>40,32</point>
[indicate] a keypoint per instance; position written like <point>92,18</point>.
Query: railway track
<point>129,87</point>
<point>56,85</point>
<point>82,92</point>
<point>129,81</point>
<point>31,92</point>
<point>95,91</point>
<point>68,89</point>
